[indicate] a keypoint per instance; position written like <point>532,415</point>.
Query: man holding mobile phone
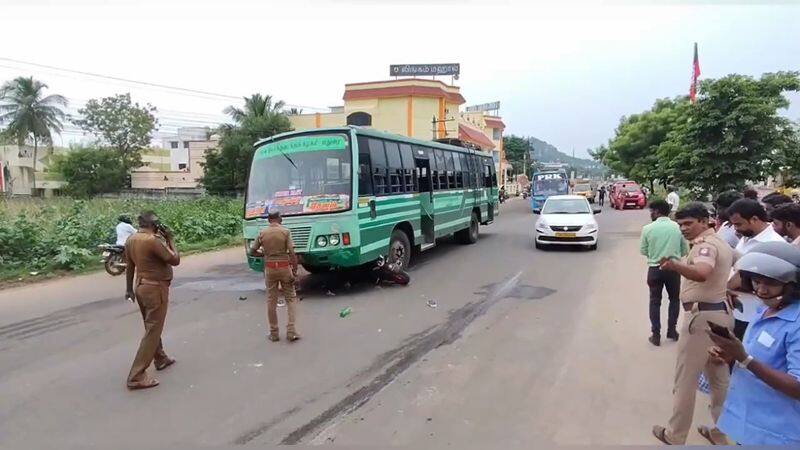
<point>705,273</point>
<point>151,254</point>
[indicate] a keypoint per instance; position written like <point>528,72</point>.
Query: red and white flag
<point>695,75</point>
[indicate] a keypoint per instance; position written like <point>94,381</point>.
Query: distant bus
<point>352,195</point>
<point>547,183</point>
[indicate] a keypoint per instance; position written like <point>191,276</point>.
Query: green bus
<point>351,195</point>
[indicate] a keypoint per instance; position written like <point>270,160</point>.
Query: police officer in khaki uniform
<point>150,254</point>
<point>280,264</point>
<point>705,273</point>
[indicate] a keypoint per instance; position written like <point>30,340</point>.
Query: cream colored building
<point>158,173</point>
<point>16,171</point>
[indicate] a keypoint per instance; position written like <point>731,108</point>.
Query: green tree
<point>734,133</point>
<point>634,151</point>
<point>515,148</point>
<point>227,165</point>
<point>91,171</point>
<point>120,124</point>
<point>256,105</point>
<point>30,114</point>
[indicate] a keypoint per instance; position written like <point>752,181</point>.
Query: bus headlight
<point>322,241</point>
<point>333,239</point>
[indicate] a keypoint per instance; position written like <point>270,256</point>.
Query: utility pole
<point>525,163</point>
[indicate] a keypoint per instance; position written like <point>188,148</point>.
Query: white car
<point>566,220</point>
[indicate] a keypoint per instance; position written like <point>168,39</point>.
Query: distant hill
<point>546,152</point>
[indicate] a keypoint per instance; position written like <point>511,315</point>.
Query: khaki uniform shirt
<point>709,249</point>
<point>275,243</point>
<point>149,253</point>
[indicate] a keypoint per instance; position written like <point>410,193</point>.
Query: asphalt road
<point>524,346</point>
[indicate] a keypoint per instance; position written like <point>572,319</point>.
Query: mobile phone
<point>719,330</point>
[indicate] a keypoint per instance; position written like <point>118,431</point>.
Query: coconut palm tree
<point>29,114</point>
<point>254,106</point>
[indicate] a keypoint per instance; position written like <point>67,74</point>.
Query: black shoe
<point>673,334</point>
<point>655,339</point>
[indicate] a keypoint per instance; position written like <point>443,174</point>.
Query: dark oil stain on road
<point>415,348</point>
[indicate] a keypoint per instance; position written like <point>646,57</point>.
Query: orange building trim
<point>442,124</point>
<point>403,91</point>
<point>318,120</point>
<point>476,137</point>
<point>492,122</point>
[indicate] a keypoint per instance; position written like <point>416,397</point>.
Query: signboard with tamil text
<point>493,106</point>
<point>424,70</point>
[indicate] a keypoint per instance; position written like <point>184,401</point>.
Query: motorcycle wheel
<point>114,265</point>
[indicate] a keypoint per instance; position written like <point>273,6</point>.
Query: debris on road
<point>259,364</point>
<point>281,302</point>
<point>242,298</point>
<point>330,293</point>
<point>33,274</point>
<point>432,303</point>
<point>345,312</point>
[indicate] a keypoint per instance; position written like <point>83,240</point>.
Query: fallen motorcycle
<point>113,259</point>
<point>390,273</point>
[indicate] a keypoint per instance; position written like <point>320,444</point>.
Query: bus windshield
<point>549,184</point>
<point>301,175</point>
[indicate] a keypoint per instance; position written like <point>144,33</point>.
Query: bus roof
<point>375,133</point>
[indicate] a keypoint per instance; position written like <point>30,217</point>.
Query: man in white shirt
<point>674,201</point>
<point>749,218</point>
<point>124,230</point>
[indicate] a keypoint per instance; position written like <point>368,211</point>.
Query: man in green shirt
<point>662,239</point>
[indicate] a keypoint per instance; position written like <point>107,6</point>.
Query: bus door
<point>490,179</point>
<point>424,176</point>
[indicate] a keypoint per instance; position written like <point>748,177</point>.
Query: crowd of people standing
<point>736,276</point>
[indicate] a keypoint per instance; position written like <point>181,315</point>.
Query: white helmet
<point>779,261</point>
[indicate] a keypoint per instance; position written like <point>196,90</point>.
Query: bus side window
<point>379,170</point>
<point>421,173</point>
<point>409,169</point>
<point>364,167</point>
<point>457,165</point>
<point>477,172</point>
<point>441,169</point>
<point>451,170</point>
<point>494,173</point>
<point>395,167</point>
<point>434,169</point>
<point>487,175</point>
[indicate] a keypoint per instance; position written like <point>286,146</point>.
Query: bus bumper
<point>339,257</point>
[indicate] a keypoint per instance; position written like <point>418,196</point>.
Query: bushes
<point>47,235</point>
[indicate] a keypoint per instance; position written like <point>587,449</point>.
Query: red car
<point>628,194</point>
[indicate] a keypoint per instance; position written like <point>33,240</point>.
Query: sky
<point>564,71</point>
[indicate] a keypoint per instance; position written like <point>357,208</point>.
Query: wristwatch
<point>745,363</point>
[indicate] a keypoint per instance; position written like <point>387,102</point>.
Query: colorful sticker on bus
<point>326,203</point>
<point>257,209</point>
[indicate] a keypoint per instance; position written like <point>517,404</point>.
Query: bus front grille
<point>300,236</point>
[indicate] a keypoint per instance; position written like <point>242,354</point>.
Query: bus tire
<point>316,269</point>
<point>469,235</point>
<point>399,248</point>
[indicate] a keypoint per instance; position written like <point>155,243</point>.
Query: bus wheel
<point>469,235</point>
<point>399,248</point>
